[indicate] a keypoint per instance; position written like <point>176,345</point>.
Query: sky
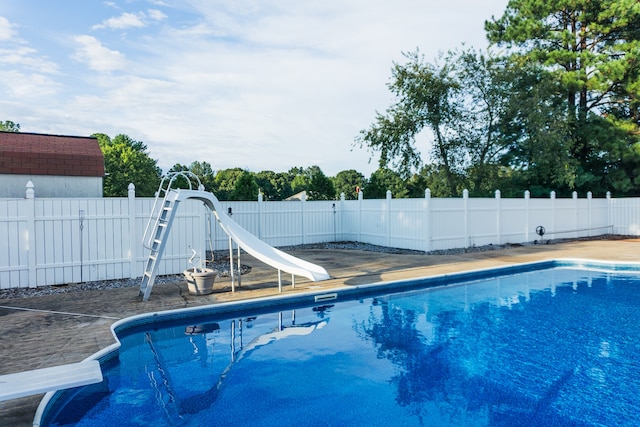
<point>255,84</point>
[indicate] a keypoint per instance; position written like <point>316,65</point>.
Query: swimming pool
<point>552,343</point>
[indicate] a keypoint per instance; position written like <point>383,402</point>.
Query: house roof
<point>297,196</point>
<point>40,154</point>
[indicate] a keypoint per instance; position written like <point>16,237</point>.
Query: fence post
<point>553,211</point>
<point>31,233</point>
<point>427,220</point>
<point>527,214</point>
<point>465,202</point>
<point>360,197</point>
<point>574,195</point>
<point>589,196</point>
<point>303,200</point>
<point>260,214</point>
<point>609,216</point>
<point>133,235</point>
<point>341,220</point>
<point>388,244</point>
<point>498,222</point>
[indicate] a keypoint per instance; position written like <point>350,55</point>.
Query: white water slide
<point>243,238</point>
<point>252,244</point>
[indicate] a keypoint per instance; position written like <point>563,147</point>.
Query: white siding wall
<point>12,186</point>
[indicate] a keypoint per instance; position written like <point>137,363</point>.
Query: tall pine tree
<point>592,49</point>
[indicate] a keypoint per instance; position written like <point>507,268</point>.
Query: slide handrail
<point>163,190</point>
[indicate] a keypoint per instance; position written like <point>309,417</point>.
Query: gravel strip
<point>222,265</point>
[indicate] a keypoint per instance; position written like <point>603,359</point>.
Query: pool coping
<point>335,294</point>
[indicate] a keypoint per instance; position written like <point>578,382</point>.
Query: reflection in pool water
<point>549,347</point>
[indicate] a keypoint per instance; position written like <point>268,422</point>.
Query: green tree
<point>432,177</point>
<point>312,180</point>
<point>299,180</point>
<point>225,182</point>
<point>346,182</point>
<point>485,100</point>
<point>204,171</point>
<point>539,151</point>
<point>179,181</point>
<point>9,126</point>
<point>274,186</point>
<point>423,93</point>
<point>383,180</point>
<point>320,186</point>
<point>592,50</point>
<point>459,103</point>
<point>266,184</point>
<point>245,187</point>
<point>127,161</point>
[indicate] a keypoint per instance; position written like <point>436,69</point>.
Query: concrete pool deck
<point>44,331</point>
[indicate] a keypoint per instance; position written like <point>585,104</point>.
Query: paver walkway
<point>39,332</point>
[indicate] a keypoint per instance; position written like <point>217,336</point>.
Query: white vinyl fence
<point>57,241</point>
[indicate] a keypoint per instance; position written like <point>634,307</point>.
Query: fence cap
<point>30,193</point>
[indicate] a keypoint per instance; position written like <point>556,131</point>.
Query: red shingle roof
<point>40,154</point>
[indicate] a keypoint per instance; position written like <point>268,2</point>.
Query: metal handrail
<point>162,192</point>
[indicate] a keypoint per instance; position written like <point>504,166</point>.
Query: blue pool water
<point>548,347</point>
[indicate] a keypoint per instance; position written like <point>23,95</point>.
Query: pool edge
<point>338,293</point>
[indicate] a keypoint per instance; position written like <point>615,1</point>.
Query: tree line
<point>552,105</point>
<point>128,161</point>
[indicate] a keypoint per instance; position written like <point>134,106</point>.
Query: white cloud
<point>6,29</point>
<point>96,56</point>
<point>21,85</point>
<point>126,20</point>
<point>130,20</point>
<point>24,56</point>
<point>156,14</point>
<point>16,56</point>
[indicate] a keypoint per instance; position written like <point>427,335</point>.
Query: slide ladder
<point>155,236</point>
<point>158,235</point>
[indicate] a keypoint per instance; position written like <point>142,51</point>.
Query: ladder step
<point>163,215</point>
